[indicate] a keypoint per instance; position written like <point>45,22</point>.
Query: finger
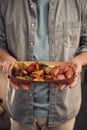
<point>25,87</point>
<point>56,85</point>
<point>73,84</point>
<point>14,85</point>
<point>61,87</point>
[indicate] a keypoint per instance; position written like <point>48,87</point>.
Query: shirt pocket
<point>71,34</point>
<point>68,33</point>
<point>67,38</point>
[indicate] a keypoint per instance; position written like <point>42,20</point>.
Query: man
<point>43,30</point>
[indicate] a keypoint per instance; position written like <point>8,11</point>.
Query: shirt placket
<point>32,27</point>
<point>51,31</point>
<point>53,93</point>
<point>31,8</point>
<point>52,57</point>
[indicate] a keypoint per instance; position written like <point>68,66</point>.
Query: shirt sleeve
<point>3,39</point>
<point>83,35</point>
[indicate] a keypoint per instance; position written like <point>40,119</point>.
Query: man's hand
<point>6,66</point>
<point>78,68</point>
<point>17,86</point>
<point>7,63</point>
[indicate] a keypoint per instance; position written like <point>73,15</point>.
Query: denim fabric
<point>67,35</point>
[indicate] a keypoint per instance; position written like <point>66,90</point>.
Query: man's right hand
<point>6,65</point>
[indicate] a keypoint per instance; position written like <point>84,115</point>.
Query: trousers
<point>40,123</point>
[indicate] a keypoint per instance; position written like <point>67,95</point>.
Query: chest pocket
<point>71,35</point>
<point>67,39</point>
<point>68,33</point>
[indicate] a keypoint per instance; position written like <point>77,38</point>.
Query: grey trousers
<point>41,124</point>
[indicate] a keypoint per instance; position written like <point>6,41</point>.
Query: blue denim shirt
<point>67,35</point>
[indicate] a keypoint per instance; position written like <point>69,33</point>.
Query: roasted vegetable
<point>41,72</point>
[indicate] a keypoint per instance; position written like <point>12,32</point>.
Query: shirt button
<point>32,43</point>
<point>30,94</point>
<point>32,6</point>
<point>32,24</point>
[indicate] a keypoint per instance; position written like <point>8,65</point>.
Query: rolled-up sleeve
<point>3,39</point>
<point>83,35</point>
